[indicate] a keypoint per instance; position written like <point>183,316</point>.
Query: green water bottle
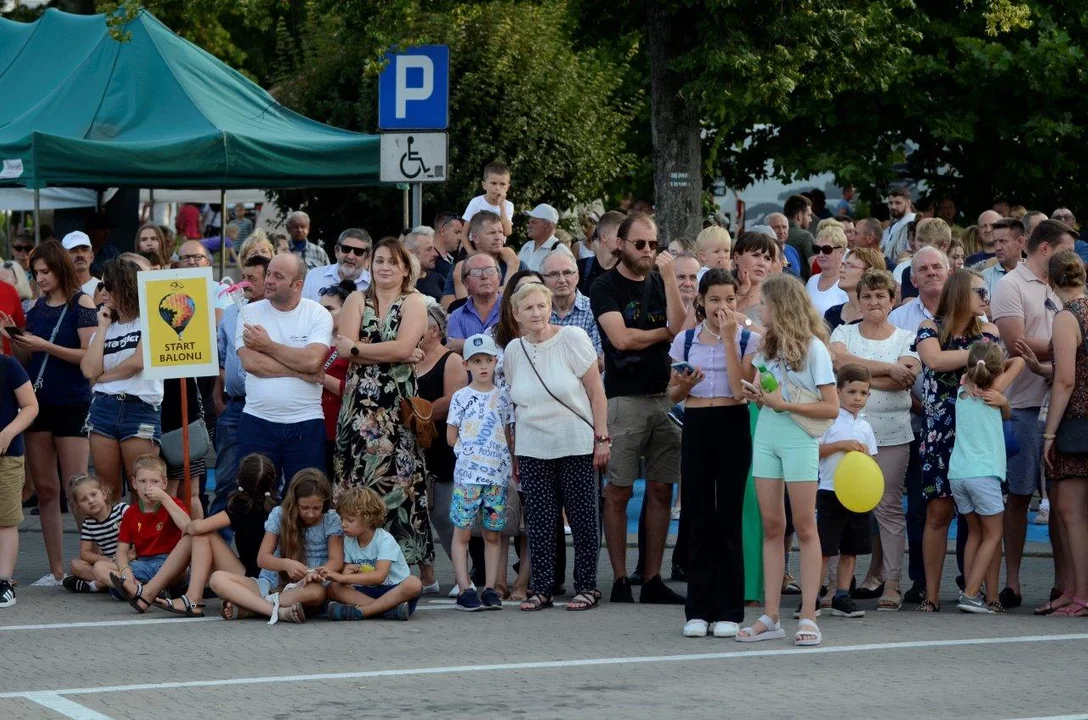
<point>766,380</point>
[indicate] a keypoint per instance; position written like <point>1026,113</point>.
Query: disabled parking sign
<point>415,157</point>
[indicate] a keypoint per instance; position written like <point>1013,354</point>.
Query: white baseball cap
<point>480,344</point>
<point>545,212</point>
<point>75,239</point>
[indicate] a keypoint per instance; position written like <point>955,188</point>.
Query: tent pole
<point>222,233</point>
<point>37,216</point>
<point>9,216</point>
<point>151,205</point>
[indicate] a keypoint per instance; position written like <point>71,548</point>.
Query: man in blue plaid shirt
<point>569,307</point>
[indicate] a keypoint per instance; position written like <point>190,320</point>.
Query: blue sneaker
<point>340,611</point>
<point>400,612</point>
<point>491,599</point>
<point>469,601</point>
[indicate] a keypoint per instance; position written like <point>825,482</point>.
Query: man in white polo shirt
<point>1023,308</point>
<point>542,221</point>
<point>283,345</point>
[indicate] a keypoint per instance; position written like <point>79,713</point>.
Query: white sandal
<point>772,631</point>
<point>808,634</point>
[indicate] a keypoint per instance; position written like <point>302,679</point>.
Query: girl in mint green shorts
<point>794,353</point>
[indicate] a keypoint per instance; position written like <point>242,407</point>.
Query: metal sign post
<point>413,95</point>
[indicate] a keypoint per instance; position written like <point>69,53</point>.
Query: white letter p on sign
<point>406,93</point>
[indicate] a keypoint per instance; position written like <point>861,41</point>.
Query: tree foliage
<point>519,93</point>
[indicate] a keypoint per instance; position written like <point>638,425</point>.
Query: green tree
<point>518,94</point>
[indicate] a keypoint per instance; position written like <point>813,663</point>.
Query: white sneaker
<point>47,580</point>
<point>695,628</point>
<point>456,591</point>
<point>725,629</point>
<point>432,589</point>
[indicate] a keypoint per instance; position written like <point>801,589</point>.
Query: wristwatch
<point>602,440</point>
<point>355,350</point>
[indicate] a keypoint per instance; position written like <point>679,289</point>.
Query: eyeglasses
<point>357,251</point>
<point>196,257</point>
<point>826,249</point>
<point>983,293</point>
<point>1062,217</point>
<point>22,248</point>
<point>556,274</point>
<point>483,272</point>
<point>856,266</point>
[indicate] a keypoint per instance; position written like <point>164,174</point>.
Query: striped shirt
<point>104,533</point>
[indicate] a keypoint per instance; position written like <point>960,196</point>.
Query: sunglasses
<point>641,244</point>
<point>983,293</point>
<point>826,249</point>
<point>356,251</point>
<point>22,248</point>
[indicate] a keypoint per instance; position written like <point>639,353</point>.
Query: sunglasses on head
<point>825,249</point>
<point>356,251</point>
<point>641,244</point>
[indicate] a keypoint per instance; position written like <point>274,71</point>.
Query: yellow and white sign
<point>177,318</point>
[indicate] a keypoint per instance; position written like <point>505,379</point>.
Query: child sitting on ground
<point>98,536</point>
<point>714,248</point>
<point>301,536</point>
<point>154,527</point>
<point>478,427</point>
<point>977,467</point>
<point>375,579</point>
<point>18,408</point>
<point>247,511</point>
<point>843,532</point>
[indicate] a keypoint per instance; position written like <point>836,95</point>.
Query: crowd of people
<point>439,384</point>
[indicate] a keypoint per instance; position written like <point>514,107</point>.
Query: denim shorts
<point>376,591</point>
<point>981,495</point>
<point>1023,468</point>
<point>473,502</point>
<point>123,417</point>
<point>145,568</point>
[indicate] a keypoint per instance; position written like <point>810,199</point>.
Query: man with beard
<point>638,312</point>
<point>352,263</point>
<point>229,393</point>
<point>798,211</point>
<point>78,245</point>
<point>895,242</point>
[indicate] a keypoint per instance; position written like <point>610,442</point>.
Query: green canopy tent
<point>83,109</point>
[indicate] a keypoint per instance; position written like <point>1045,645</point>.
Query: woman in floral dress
<point>380,334</point>
<point>942,345</point>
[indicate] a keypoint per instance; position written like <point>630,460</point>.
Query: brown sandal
<point>535,602</point>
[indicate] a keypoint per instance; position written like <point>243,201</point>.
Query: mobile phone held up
<point>13,331</point>
<point>684,368</point>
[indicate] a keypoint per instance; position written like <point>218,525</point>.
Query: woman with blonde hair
<point>795,384</point>
<point>823,287</point>
<point>972,241</point>
<point>258,243</point>
<point>942,345</point>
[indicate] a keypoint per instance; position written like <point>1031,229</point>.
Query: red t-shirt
<point>10,304</point>
<point>330,404</point>
<point>188,222</point>
<point>153,533</point>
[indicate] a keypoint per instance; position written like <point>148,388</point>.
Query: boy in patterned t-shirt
<point>478,428</point>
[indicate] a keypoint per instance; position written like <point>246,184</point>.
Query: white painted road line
<point>65,707</point>
<point>555,664</point>
<point>105,623</point>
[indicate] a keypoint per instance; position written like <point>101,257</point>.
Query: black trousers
<point>715,474</point>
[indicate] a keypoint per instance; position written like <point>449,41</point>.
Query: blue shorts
<point>123,417</point>
<point>486,502</point>
<point>376,591</point>
<point>781,450</point>
<point>980,495</point>
<point>143,569</point>
<point>1023,467</point>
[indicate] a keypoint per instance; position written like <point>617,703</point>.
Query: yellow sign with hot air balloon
<point>177,315</point>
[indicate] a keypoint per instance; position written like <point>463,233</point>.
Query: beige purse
<point>815,427</point>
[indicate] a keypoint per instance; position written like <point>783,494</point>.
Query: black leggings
<point>549,486</point>
<point>712,494</point>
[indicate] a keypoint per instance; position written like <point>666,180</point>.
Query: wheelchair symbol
<point>410,157</point>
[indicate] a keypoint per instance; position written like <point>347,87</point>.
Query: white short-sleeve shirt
<point>845,427</point>
<point>818,369</point>
<point>285,400</point>
<point>479,203</point>
<point>887,411</point>
<point>822,300</point>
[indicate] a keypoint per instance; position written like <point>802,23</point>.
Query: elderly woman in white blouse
<point>885,351</point>
<point>561,436</point>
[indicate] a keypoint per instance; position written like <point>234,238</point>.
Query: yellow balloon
<point>859,484</point>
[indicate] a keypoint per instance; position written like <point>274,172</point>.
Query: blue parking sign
<point>414,89</point>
